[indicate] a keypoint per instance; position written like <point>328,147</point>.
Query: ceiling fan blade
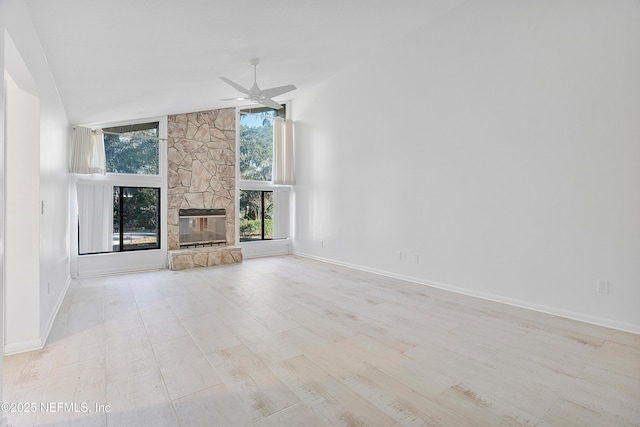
<point>255,95</point>
<point>235,85</point>
<point>275,91</point>
<point>270,103</point>
<point>235,99</point>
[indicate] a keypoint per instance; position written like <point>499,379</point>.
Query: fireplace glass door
<point>202,229</point>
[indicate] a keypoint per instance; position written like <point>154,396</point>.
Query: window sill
<point>261,185</point>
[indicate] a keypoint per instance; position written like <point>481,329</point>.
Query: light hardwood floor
<point>287,341</point>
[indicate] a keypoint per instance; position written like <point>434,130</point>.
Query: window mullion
<point>262,212</point>
<point>121,219</point>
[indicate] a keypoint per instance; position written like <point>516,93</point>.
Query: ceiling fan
<point>257,95</point>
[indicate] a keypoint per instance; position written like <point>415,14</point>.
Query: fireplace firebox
<point>202,227</point>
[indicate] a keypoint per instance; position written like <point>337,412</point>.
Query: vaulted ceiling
<point>127,59</point>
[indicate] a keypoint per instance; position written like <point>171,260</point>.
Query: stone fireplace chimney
<point>201,173</point>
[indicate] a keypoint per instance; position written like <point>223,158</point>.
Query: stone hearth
<point>204,257</point>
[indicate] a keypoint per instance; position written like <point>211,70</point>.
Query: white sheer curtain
<point>95,217</point>
<point>283,155</point>
<point>87,152</point>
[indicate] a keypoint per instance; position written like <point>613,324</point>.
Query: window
<point>263,213</point>
<point>121,211</point>
<point>256,215</point>
<point>133,149</point>
<point>136,218</point>
<point>125,219</point>
<point>256,143</point>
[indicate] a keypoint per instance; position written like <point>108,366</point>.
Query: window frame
<point>262,221</point>
<point>121,246</point>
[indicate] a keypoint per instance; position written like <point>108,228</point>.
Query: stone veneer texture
<point>202,165</point>
<point>204,257</point>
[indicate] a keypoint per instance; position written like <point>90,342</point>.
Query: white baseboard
<point>586,318</point>
<point>22,347</point>
<point>54,313</point>
<point>117,271</point>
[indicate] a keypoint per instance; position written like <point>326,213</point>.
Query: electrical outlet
<point>322,243</point>
<point>48,287</point>
<point>417,259</point>
<point>400,256</point>
<point>604,286</point>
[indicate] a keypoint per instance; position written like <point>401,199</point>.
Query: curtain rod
<point>260,115</point>
<point>255,115</point>
<point>95,131</point>
<point>131,136</point>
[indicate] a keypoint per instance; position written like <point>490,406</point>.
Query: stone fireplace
<point>201,174</point>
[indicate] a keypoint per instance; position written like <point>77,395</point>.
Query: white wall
<point>24,56</point>
<point>3,419</point>
<point>22,272</point>
<point>500,146</point>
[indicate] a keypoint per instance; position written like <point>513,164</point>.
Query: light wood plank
<point>259,392</point>
<point>214,406</point>
<point>184,367</point>
<point>140,401</point>
<point>330,398</point>
<point>291,416</point>
<point>129,354</point>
